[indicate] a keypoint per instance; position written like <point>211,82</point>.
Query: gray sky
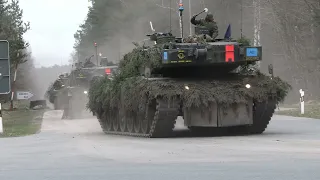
<point>53,23</point>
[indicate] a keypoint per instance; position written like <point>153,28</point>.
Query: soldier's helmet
<point>209,17</point>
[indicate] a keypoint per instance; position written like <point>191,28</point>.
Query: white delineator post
<point>301,101</point>
<point>1,123</point>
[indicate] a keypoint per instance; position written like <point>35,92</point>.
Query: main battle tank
<point>69,91</point>
<point>79,82</point>
<point>209,84</point>
<point>53,90</point>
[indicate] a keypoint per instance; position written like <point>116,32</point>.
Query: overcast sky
<point>53,23</point>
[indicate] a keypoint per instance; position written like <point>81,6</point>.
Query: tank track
<point>160,124</point>
<point>262,115</point>
<point>165,116</point>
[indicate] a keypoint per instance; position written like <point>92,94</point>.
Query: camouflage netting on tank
<point>131,64</point>
<point>137,91</point>
<point>105,94</point>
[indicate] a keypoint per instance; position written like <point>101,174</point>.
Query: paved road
<point>77,149</point>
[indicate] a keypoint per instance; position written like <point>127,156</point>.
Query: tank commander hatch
<point>209,23</point>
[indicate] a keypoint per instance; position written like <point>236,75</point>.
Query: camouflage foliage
<point>105,93</point>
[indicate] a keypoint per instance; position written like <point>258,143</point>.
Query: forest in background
<point>12,28</point>
<point>289,32</point>
<point>29,78</point>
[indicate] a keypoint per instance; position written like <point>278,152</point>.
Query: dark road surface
<point>78,150</point>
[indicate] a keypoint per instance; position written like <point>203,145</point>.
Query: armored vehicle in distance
<point>75,93</point>
<point>53,90</point>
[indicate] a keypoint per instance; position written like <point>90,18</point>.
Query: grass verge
<point>21,122</point>
<point>311,111</point>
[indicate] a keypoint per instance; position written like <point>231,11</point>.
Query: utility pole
<point>190,17</point>
<point>241,23</point>
<point>96,48</point>
<point>257,24</point>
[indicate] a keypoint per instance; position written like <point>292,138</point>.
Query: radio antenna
<point>181,8</point>
<point>241,9</point>
<point>170,17</point>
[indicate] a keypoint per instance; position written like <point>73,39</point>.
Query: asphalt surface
<point>77,149</point>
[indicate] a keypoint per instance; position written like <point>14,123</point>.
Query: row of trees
<point>12,28</point>
<point>297,25</point>
<point>289,31</point>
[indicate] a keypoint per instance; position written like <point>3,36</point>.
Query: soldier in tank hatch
<point>209,23</point>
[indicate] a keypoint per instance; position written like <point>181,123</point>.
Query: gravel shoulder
<point>21,122</point>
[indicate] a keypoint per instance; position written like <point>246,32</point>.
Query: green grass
<point>311,110</point>
<point>21,122</point>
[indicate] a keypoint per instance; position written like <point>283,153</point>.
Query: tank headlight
<point>248,86</point>
<point>186,87</point>
<point>85,92</point>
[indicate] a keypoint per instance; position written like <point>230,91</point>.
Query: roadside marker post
<point>301,101</point>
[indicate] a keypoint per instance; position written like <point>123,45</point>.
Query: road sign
<point>5,85</point>
<point>24,95</point>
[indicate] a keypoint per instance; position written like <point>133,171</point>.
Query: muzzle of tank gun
<point>200,54</point>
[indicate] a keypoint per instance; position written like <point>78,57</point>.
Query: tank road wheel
<point>144,125</point>
<point>108,121</point>
<point>115,121</point>
<point>137,124</point>
<point>130,119</point>
<point>123,123</point>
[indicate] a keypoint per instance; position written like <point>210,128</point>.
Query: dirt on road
<point>277,141</point>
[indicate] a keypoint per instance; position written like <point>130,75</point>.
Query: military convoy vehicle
<point>75,94</point>
<point>198,80</point>
<point>69,91</point>
<point>54,89</point>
